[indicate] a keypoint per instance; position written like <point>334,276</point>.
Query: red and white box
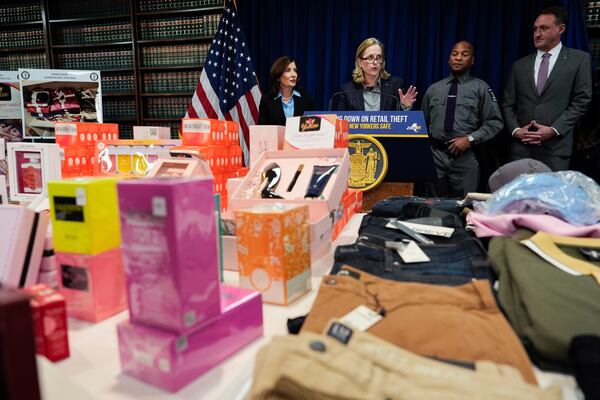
<point>31,166</point>
<point>49,314</point>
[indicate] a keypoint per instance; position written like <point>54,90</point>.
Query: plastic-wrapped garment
<point>568,195</point>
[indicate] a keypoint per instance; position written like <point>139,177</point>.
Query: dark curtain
<point>418,34</point>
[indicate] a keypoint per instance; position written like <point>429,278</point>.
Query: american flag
<point>228,88</point>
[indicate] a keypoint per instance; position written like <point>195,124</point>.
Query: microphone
<point>397,101</point>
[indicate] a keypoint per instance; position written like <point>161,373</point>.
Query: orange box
<point>235,158</point>
<point>274,251</point>
<point>232,133</point>
<point>203,132</point>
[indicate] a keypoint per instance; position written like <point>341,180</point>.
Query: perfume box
<point>309,132</point>
<point>203,132</point>
<point>171,361</point>
<point>179,167</point>
<point>129,157</point>
<point>50,322</point>
<point>265,138</point>
<point>22,236</point>
<point>273,247</point>
<point>85,215</point>
<point>151,133</point>
<point>170,246</point>
<point>17,347</point>
<point>31,166</point>
<point>232,133</point>
<point>93,285</point>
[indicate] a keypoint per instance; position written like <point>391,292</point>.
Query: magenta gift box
<point>171,361</point>
<point>169,242</point>
<point>93,285</point>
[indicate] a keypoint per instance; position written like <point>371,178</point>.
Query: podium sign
<point>403,136</point>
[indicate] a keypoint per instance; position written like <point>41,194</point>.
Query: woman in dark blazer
<point>370,78</point>
<point>284,99</point>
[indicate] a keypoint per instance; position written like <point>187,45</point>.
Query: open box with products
<point>315,177</point>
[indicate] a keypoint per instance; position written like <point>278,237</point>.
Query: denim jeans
<point>376,226</point>
<point>395,206</point>
<point>451,264</point>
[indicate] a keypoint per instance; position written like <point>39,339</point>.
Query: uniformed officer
<point>461,112</point>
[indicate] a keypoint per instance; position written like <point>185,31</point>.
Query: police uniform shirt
<point>477,112</point>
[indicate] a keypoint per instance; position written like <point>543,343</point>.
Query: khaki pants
<point>312,366</point>
<point>457,323</point>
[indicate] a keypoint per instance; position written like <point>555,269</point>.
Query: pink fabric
<point>506,225</point>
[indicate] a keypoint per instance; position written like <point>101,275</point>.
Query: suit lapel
<point>563,57</point>
<point>531,72</point>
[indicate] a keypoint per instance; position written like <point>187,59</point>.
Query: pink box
<point>22,236</point>
<point>171,361</point>
<point>246,194</point>
<point>265,138</point>
<point>169,238</point>
<point>93,285</point>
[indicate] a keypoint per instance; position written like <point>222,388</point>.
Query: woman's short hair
<point>357,74</point>
<point>277,69</point>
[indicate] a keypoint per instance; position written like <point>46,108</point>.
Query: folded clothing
<point>348,364</point>
<point>449,264</point>
<point>507,224</point>
<point>546,306</point>
<point>462,323</point>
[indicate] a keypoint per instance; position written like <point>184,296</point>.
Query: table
<point>93,370</point>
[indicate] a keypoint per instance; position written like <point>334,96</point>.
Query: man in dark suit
<point>547,93</point>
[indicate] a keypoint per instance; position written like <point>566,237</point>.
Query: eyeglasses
<point>372,59</point>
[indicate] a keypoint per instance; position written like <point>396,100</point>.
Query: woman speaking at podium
<point>372,88</point>
<point>284,99</point>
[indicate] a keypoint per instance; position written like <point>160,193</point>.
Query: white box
<point>151,133</point>
<point>265,138</point>
<point>31,166</point>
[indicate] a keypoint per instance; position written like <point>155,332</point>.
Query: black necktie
<point>451,106</point>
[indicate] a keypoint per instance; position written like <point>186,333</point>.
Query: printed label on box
<point>74,278</point>
<point>67,209</point>
<point>196,126</point>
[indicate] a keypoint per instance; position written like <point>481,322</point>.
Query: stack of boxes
<point>77,142</point>
<point>218,143</point>
<point>182,320</point>
<point>87,239</point>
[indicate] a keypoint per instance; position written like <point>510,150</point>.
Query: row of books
<point>120,83</point>
<point>167,107</point>
<point>93,33</point>
<point>125,131</point>
<point>100,59</point>
<point>15,39</point>
<point>20,13</point>
<point>159,5</point>
<point>118,110</point>
<point>179,27</point>
<point>13,62</point>
<point>60,9</point>
<point>592,14</point>
<point>189,54</point>
<point>171,82</point>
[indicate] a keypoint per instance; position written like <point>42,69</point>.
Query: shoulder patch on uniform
<point>492,95</point>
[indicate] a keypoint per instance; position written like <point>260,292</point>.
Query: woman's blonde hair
<point>357,74</point>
